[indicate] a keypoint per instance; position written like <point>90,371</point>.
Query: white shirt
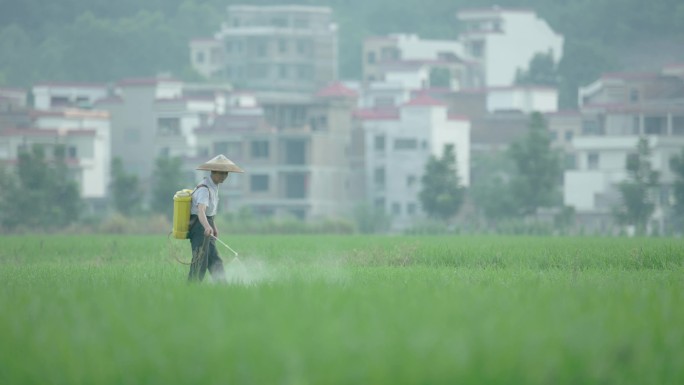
<point>206,196</point>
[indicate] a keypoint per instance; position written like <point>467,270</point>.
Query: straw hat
<point>220,163</point>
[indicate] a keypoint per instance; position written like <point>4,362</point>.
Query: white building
<point>499,41</point>
<point>277,47</point>
<point>525,99</point>
<point>616,111</point>
<point>155,117</point>
<point>85,137</point>
<point>397,145</point>
<point>386,57</point>
<point>48,96</point>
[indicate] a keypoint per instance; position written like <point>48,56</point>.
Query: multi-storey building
<point>295,152</point>
<point>83,134</point>
<point>616,111</point>
<point>384,56</point>
<point>48,96</point>
<point>155,117</point>
<point>396,145</point>
<point>498,42</point>
<point>284,47</point>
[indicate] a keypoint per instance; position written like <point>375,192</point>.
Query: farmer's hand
<point>208,231</point>
<point>216,231</point>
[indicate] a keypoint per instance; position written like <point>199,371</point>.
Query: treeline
<point>100,41</point>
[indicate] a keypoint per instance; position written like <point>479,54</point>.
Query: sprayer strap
<point>198,186</point>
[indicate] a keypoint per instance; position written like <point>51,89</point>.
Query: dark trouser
<point>204,253</point>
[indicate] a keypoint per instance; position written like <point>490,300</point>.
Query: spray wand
<point>229,248</point>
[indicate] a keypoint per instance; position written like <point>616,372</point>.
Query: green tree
<point>442,194</point>
<point>125,189</point>
<point>41,194</point>
<point>677,167</point>
<point>490,186</point>
<point>166,180</point>
<point>370,219</point>
<point>440,77</point>
<point>537,175</point>
<point>542,70</point>
<point>636,192</point>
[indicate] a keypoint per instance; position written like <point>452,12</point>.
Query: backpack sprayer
<point>182,201</point>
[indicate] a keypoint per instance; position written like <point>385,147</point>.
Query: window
<point>295,186</point>
<point>282,45</point>
<point>396,208</point>
<point>593,161</point>
<point>636,125</point>
<point>199,57</point>
<point>410,180</point>
<point>405,144</point>
<point>633,95</point>
<point>370,58</point>
<point>258,183</point>
<point>262,49</point>
<point>379,143</point>
<point>678,125</point>
<point>282,71</point>
<point>279,22</point>
<point>379,203</point>
<point>168,127</point>
<point>319,123</point>
<point>379,177</point>
<point>302,47</point>
<point>570,162</point>
<point>232,150</point>
<point>654,125</point>
<point>72,152</point>
<point>477,49</point>
<point>260,149</point>
<point>301,23</point>
<point>410,208</point>
<point>568,135</point>
<point>295,152</point>
<point>591,127</point>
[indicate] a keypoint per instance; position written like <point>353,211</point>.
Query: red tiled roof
<point>494,9</point>
<point>46,132</point>
<point>71,85</point>
<point>424,100</point>
<point>132,82</point>
<point>452,116</point>
<point>376,114</point>
<point>71,113</point>
<point>336,90</point>
<point>111,99</point>
<point>630,75</point>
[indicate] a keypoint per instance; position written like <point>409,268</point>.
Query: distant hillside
<point>103,40</point>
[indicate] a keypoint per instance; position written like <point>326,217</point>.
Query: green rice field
<point>343,310</point>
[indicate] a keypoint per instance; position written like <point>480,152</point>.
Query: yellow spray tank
<point>182,201</point>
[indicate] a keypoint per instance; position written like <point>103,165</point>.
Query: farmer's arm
<point>202,215</point>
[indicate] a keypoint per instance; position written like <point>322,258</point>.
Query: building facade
<point>295,152</point>
<point>284,47</point>
<point>499,41</point>
<point>397,144</point>
<point>616,111</point>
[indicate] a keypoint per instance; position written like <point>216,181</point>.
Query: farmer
<point>202,231</point>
